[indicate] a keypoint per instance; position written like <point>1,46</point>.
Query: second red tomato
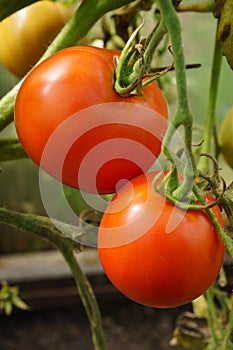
<point>155,253</point>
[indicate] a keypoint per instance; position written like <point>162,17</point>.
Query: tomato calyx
<point>133,68</point>
<point>172,185</point>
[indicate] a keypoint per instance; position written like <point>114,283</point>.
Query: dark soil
<point>127,326</point>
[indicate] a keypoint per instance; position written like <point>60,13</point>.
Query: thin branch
<point>43,227</point>
<point>11,149</point>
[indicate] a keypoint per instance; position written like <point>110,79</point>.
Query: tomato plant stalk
<point>11,149</point>
<point>183,117</point>
<point>43,227</point>
<point>84,18</point>
<point>178,193</point>
<point>204,162</point>
<point>228,333</point>
<point>87,296</point>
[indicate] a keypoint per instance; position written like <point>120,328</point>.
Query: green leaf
<point>19,303</point>
<point>7,306</point>
<point>9,297</point>
<point>225,30</point>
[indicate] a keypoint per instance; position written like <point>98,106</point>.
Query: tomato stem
<point>183,116</point>
<point>79,24</point>
<point>228,332</point>
<point>153,41</point>
<point>204,162</point>
<point>87,296</point>
<point>215,323</point>
<point>11,149</point>
<point>7,103</point>
<point>172,24</point>
<point>43,227</point>
<point>212,316</point>
<point>225,238</point>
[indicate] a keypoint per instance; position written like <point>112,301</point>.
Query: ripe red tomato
<point>157,254</point>
<point>74,125</point>
<point>25,35</point>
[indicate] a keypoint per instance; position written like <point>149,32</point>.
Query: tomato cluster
<point>73,124</point>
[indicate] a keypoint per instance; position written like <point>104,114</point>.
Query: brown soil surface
<point>127,326</point>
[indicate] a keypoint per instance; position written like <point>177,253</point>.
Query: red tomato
<point>91,137</point>
<point>157,254</point>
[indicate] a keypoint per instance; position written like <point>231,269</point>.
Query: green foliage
<point>225,31</point>
<point>9,297</point>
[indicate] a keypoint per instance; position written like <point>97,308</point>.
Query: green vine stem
<point>153,41</point>
<point>225,238</point>
<point>75,29</point>
<point>87,296</point>
<point>84,18</point>
<point>11,149</point>
<point>228,333</point>
<point>7,103</point>
<point>204,163</point>
<point>172,24</point>
<point>43,227</point>
<point>213,319</point>
<point>211,314</point>
<point>183,115</point>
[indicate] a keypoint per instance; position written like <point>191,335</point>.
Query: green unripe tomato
<point>226,137</point>
<point>25,35</point>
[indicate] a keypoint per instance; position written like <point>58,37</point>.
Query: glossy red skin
<point>67,82</point>
<point>158,269</point>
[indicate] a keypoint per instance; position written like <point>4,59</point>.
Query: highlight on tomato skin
<point>154,253</point>
<point>79,130</point>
